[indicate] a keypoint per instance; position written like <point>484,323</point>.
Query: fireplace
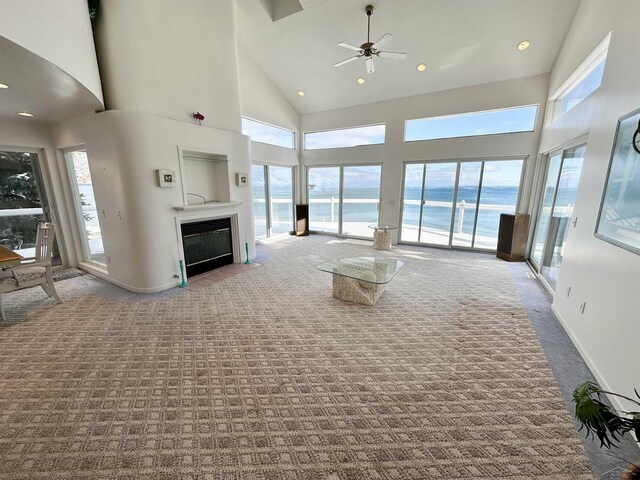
<point>207,245</point>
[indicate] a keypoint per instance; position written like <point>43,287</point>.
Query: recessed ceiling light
<point>421,67</point>
<point>4,85</point>
<point>301,93</point>
<point>360,81</point>
<point>25,114</point>
<point>523,45</point>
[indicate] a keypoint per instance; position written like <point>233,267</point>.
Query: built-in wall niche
<point>205,177</point>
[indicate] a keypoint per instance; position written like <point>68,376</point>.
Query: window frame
<point>83,250</point>
<point>304,136</point>
<point>588,65</point>
<point>459,161</point>
<point>535,121</point>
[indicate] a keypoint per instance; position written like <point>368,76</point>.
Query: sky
<point>261,132</point>
<point>521,119</point>
<point>346,137</point>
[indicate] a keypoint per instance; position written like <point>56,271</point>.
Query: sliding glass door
<point>259,191</point>
<point>556,209</point>
<point>23,201</point>
<point>458,204</point>
<point>360,199</point>
<point>344,200</point>
<point>272,189</point>
<point>86,207</point>
<point>323,192</point>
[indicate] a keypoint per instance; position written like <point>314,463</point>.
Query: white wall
<point>603,275</point>
<point>59,31</point>
<point>21,134</point>
<point>139,223</point>
<point>261,100</point>
<point>524,91</point>
<point>171,58</point>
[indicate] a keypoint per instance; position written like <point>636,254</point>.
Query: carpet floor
<point>264,375</point>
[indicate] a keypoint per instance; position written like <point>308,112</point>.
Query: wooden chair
<point>37,272</point>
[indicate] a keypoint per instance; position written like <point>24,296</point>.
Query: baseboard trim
<point>105,276</point>
<point>587,359</point>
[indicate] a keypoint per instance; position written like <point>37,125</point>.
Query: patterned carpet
<point>264,375</point>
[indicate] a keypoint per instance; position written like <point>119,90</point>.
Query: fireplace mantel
<point>207,206</point>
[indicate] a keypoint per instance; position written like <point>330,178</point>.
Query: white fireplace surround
<point>229,211</point>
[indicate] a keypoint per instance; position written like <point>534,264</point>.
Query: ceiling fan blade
<point>394,55</point>
<point>350,47</point>
<point>350,59</point>
<point>386,38</point>
<point>370,67</point>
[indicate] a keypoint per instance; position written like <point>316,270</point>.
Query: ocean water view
<point>436,212</point>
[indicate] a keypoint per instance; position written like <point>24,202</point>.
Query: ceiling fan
<point>368,50</point>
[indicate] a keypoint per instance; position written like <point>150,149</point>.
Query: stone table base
<point>354,291</point>
<point>382,240</point>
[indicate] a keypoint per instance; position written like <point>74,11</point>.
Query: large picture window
<point>23,201</point>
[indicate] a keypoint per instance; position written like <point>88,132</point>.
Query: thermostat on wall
<point>242,179</point>
<point>166,178</point>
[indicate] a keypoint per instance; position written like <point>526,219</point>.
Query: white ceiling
<point>462,42</point>
<point>39,87</point>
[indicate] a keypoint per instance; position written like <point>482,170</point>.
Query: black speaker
<point>512,237</point>
<point>302,221</point>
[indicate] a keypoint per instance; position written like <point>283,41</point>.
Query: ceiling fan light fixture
<point>301,93</point>
<point>370,49</point>
<point>360,81</point>
<point>4,85</point>
<point>523,45</point>
<point>25,114</point>
<point>421,67</point>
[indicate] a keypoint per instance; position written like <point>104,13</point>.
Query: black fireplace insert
<point>207,245</point>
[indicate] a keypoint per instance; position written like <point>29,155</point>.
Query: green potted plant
<point>604,422</point>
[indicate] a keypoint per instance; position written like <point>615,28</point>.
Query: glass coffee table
<point>382,236</point>
<point>361,279</point>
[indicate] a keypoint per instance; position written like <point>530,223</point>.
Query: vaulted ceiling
<point>462,43</point>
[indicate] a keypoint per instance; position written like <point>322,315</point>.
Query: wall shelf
<point>206,206</point>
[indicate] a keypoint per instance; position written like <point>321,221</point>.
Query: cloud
<point>348,137</point>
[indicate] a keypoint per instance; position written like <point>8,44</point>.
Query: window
<point>86,208</point>
<point>23,201</point>
<point>263,133</point>
<point>346,137</point>
<point>555,209</point>
<point>582,83</point>
<point>489,122</point>
<point>344,200</point>
<point>583,88</point>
